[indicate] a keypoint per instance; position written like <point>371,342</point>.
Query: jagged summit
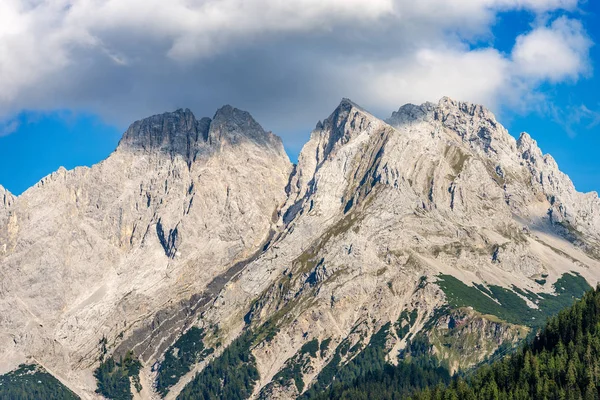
<point>172,132</point>
<point>233,124</point>
<point>346,121</point>
<point>410,112</point>
<point>347,103</point>
<point>445,107</point>
<point>180,133</point>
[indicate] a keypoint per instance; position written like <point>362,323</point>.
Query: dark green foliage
<point>370,360</point>
<point>393,383</point>
<point>292,370</point>
<point>31,382</point>
<point>310,348</point>
<point>562,362</point>
<point>326,375</point>
<point>230,376</point>
<point>568,288</point>
<point>418,347</point>
<point>114,377</point>
<point>513,308</point>
<point>179,358</point>
<point>405,322</point>
<point>422,283</point>
<point>294,366</point>
<point>103,348</point>
<point>324,346</point>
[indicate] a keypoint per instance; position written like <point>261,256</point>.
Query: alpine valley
<point>197,262</point>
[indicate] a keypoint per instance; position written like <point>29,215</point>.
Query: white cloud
<point>556,52</point>
<point>551,53</point>
<point>286,61</point>
<point>429,74</point>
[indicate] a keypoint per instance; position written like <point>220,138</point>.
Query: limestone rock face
<point>205,222</point>
<point>127,249</point>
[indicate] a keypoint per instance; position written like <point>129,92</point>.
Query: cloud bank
<point>285,61</point>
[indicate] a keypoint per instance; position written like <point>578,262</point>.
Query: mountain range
<point>198,261</point>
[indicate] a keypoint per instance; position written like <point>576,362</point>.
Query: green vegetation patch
<point>231,376</point>
<point>454,343</point>
<point>324,346</point>
<point>391,383</point>
<point>405,323</point>
<point>32,382</point>
<point>456,159</point>
<point>508,305</point>
<point>371,359</point>
<point>294,367</point>
<point>114,378</point>
<point>180,357</point>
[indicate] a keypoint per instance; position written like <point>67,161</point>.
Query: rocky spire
<point>172,132</point>
<point>346,121</point>
<point>529,149</point>
<point>411,112</point>
<point>232,125</point>
<point>474,124</point>
<point>180,133</point>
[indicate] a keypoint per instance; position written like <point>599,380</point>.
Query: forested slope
<point>561,362</point>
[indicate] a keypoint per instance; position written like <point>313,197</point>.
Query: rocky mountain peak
<point>411,112</point>
<point>529,149</point>
<point>447,110</point>
<point>366,237</point>
<point>474,124</point>
<point>179,133</point>
<point>171,132</point>
<point>453,106</point>
<point>346,121</point>
<point>233,125</point>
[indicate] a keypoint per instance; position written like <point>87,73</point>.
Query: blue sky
<point>571,136</point>
<point>69,106</point>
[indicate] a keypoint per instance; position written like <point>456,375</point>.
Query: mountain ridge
<point>227,236</point>
<point>407,112</point>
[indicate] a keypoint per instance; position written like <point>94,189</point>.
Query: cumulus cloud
<point>429,74</point>
<point>287,62</point>
<point>555,52</point>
